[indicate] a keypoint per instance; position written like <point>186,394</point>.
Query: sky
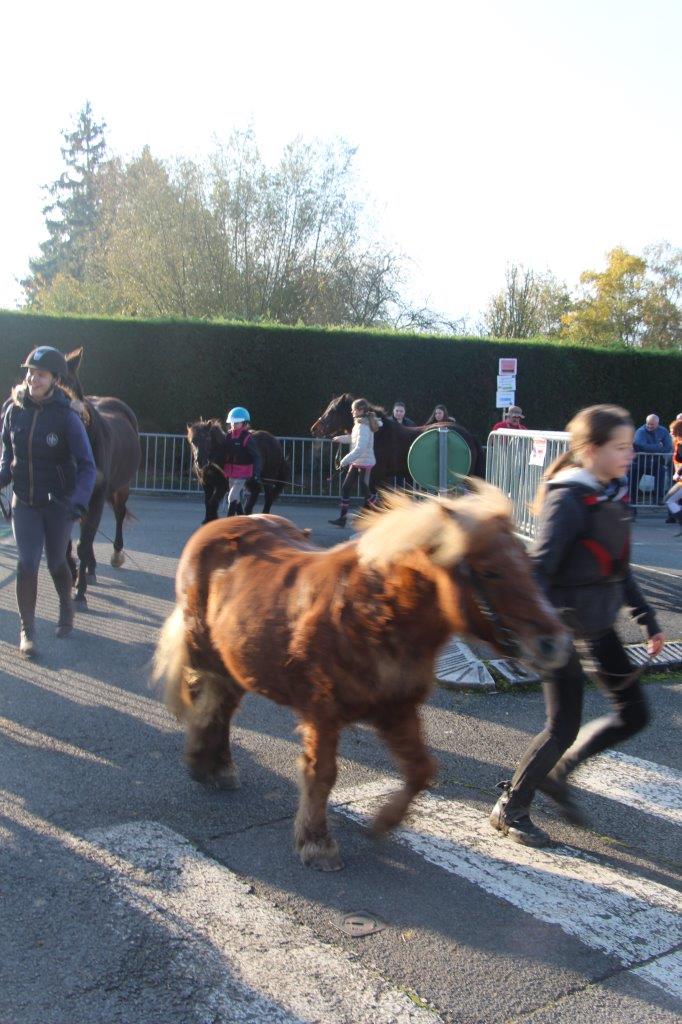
<point>487,133</point>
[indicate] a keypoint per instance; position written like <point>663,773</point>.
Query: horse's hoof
<point>322,856</point>
<point>227,779</point>
<point>224,779</point>
<point>91,577</point>
<point>81,599</point>
<point>324,863</point>
<point>117,559</point>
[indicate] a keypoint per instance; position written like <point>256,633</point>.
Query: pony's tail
<point>171,661</point>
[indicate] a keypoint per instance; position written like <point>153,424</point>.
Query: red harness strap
<point>604,559</point>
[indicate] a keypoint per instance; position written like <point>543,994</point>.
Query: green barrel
<point>423,458</point>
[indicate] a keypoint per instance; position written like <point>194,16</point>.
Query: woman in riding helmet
<point>360,459</point>
<point>242,458</point>
<point>47,457</point>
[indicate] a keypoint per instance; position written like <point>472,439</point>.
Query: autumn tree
<point>71,216</point>
<point>237,239</point>
<point>528,305</point>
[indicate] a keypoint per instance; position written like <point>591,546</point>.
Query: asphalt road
<point>130,894</point>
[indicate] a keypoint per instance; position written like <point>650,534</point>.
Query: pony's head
<point>205,438</point>
<point>72,381</point>
<point>337,418</point>
<point>482,573</point>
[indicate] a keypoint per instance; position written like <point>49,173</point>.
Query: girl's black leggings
<point>353,474</point>
<point>563,692</point>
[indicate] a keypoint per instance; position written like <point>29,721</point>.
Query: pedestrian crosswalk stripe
<point>625,916</point>
<point>643,785</point>
<point>247,960</point>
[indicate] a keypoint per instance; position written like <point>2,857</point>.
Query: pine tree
<point>71,218</point>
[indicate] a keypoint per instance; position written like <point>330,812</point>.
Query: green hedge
<point>172,372</point>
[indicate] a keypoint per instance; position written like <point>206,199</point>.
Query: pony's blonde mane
<point>446,528</point>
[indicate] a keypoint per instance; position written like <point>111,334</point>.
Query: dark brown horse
<point>208,442</point>
<point>114,435</point>
<point>391,442</point>
<point>344,635</point>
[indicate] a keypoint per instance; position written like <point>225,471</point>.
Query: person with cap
<point>242,457</point>
<point>512,420</point>
<point>47,457</point>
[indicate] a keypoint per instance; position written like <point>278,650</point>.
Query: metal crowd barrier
<point>517,459</point>
<point>166,466</point>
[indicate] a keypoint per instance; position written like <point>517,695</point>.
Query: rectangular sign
<point>506,382</point>
<point>504,398</point>
<point>537,456</point>
<point>507,366</point>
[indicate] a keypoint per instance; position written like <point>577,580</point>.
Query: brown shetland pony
<point>343,635</point>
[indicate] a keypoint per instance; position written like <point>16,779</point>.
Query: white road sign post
<point>506,383</point>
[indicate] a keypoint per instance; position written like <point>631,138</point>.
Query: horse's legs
<point>402,732</point>
<point>85,549</point>
<point>213,495</point>
<point>119,502</point>
<point>270,494</point>
<point>317,775</point>
<point>216,697</point>
<point>253,490</point>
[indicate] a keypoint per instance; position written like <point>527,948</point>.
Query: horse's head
<point>202,441</point>
<point>73,362</point>
<point>482,572</point>
<point>337,418</point>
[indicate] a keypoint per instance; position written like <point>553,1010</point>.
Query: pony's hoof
<point>321,856</point>
<point>227,779</point>
<point>117,559</point>
<point>224,779</point>
<point>81,599</point>
<point>91,577</point>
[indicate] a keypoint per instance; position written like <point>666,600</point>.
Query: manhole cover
<point>361,923</point>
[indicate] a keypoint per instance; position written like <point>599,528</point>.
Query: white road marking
<point>665,972</point>
<point>630,918</point>
<point>659,572</point>
<point>640,784</point>
<point>247,960</point>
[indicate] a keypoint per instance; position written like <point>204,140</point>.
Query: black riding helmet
<point>47,358</point>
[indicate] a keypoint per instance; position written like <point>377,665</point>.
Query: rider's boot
<point>63,585</point>
<point>511,817</point>
<point>27,592</point>
<point>343,515</point>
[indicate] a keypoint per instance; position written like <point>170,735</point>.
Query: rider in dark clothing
<point>47,457</point>
<point>582,559</point>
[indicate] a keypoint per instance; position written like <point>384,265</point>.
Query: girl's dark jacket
<point>581,553</point>
<point>45,450</point>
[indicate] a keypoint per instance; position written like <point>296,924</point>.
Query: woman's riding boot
<point>511,817</point>
<point>343,515</point>
<point>27,592</point>
<point>63,585</point>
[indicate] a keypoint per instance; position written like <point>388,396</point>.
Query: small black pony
<point>114,435</point>
<point>391,442</point>
<point>208,442</point>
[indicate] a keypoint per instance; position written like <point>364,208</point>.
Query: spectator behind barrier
<point>512,420</point>
<point>651,439</point>
<point>399,414</point>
